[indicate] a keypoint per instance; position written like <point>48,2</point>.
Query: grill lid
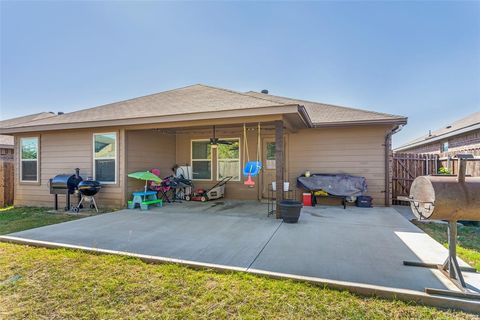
<point>89,187</point>
<point>88,184</point>
<point>65,181</point>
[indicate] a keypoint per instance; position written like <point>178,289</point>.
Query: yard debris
<point>10,280</point>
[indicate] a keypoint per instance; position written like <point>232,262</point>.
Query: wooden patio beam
<point>279,164</point>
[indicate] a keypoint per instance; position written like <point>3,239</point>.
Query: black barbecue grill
<point>65,184</point>
<point>87,189</point>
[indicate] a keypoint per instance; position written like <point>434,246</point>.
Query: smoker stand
<point>450,268</point>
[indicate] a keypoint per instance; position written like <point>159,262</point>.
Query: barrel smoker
<point>65,184</point>
<point>450,198</point>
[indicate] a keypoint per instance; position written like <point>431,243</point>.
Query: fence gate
<point>405,168</point>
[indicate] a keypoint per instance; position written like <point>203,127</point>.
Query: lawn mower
<point>215,192</point>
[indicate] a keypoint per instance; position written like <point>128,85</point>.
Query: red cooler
<point>307,199</point>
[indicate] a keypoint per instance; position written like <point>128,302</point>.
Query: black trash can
<point>290,210</point>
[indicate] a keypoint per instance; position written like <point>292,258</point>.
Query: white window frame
<point>211,160</point>
<point>115,157</point>
<point>38,160</point>
<point>239,159</point>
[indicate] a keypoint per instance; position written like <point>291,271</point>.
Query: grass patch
<point>468,240</point>
<point>23,218</point>
<point>68,284</point>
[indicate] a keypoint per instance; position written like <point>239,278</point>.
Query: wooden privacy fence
<point>6,183</point>
<point>405,168</point>
<point>473,166</point>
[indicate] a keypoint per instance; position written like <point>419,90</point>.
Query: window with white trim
<point>105,157</point>
<point>29,159</point>
<point>228,160</point>
<point>201,159</point>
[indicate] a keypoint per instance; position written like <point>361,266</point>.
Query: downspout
<point>388,142</point>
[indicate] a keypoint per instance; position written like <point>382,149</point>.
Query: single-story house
<point>173,128</point>
<point>461,136</point>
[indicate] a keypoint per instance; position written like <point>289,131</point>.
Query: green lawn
<point>18,219</point>
<point>468,247</point>
<point>66,284</point>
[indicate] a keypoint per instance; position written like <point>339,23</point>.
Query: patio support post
<point>279,164</point>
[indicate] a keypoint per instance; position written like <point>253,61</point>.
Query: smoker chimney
<point>429,133</point>
<point>264,91</point>
<point>60,113</point>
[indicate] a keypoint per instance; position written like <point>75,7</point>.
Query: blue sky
<point>418,59</point>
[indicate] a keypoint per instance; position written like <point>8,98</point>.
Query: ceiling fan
<point>214,141</point>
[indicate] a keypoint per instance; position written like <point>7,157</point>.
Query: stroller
<point>177,187</point>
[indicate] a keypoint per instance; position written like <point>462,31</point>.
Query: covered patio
<point>189,146</point>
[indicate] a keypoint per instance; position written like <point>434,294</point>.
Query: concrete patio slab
<point>356,245</point>
<point>207,233</point>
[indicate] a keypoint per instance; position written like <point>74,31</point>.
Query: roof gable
<point>192,99</point>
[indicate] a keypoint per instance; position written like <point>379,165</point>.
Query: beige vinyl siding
<point>148,149</point>
<point>357,151</point>
<point>62,152</point>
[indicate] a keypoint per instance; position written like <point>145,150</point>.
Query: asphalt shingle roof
<point>468,121</point>
<point>25,119</point>
<point>200,99</point>
<point>321,113</point>
<point>191,99</point>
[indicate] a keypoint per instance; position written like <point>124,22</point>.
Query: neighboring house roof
<point>467,124</point>
<point>6,142</point>
<point>198,99</point>
<point>324,114</point>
